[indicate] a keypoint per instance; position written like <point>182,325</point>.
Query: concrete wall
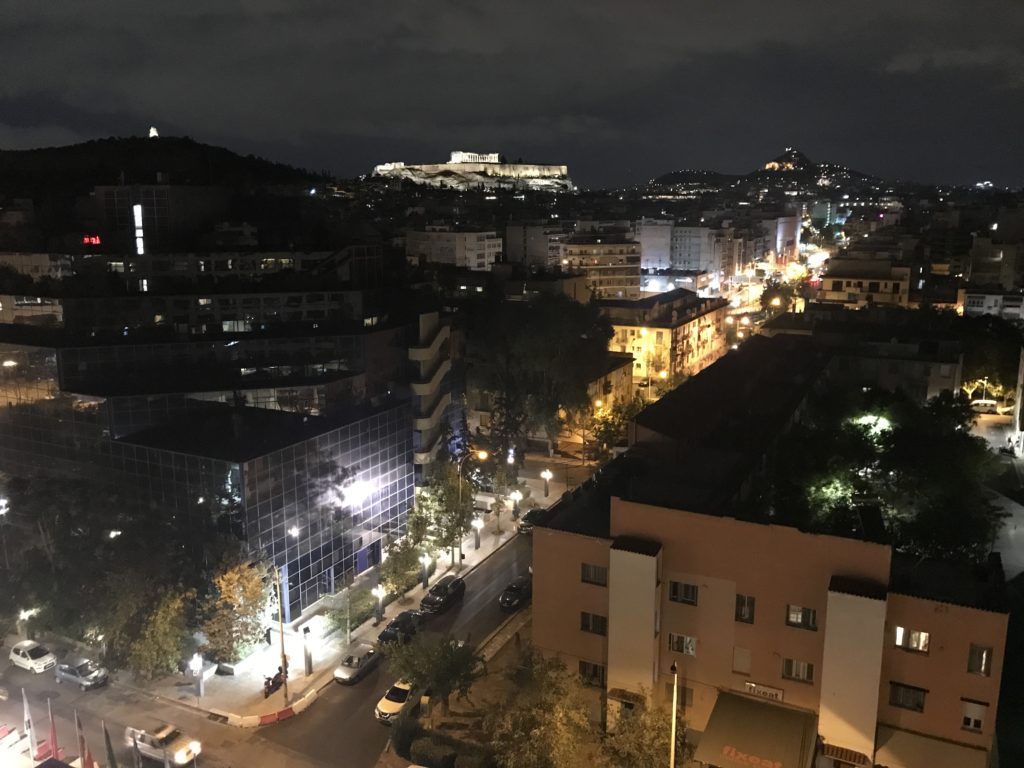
<point>632,624</point>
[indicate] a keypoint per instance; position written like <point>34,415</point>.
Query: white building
<point>655,238</point>
<point>443,245</point>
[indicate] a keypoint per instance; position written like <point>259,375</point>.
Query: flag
<point>111,758</point>
<point>83,751</point>
<point>136,755</point>
<point>29,731</point>
<point>54,751</point>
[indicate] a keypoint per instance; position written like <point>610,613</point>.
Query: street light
<point>547,475</point>
<point>4,509</point>
<point>477,525</point>
<point>675,704</point>
<point>196,665</point>
<point>379,593</point>
<point>481,455</point>
<point>425,561</point>
<point>516,497</point>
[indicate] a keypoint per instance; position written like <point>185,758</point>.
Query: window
<point>906,697</point>
<point>683,644</point>
<point>805,618</point>
<point>594,574</point>
<point>802,671</point>
<point>979,660</point>
<point>745,609</point>
<point>678,592</point>
<point>741,660</point>
<point>592,674</point>
<point>975,713</point>
<point>912,640</point>
<point>591,622</point>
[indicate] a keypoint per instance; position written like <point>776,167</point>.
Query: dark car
<point>530,519</point>
<point>401,628</point>
<point>517,594</point>
<point>443,594</point>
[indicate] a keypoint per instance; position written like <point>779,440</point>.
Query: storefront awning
<point>746,732</point>
<point>901,749</point>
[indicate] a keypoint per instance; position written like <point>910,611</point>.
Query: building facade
<point>476,251</point>
<point>610,261</point>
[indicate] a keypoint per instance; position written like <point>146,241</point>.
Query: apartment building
<point>430,358</point>
<point>534,243</point>
<point>792,648</point>
<point>609,260</point>
<point>474,250</point>
<point>863,282</point>
<point>670,333</point>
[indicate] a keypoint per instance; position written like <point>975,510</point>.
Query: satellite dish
<point>153,132</point>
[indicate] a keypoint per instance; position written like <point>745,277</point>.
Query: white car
<point>30,655</point>
<point>165,742</point>
<point>395,699</point>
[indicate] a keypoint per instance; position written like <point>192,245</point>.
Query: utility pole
<point>280,629</point>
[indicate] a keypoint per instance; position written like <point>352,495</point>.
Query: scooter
<point>271,684</point>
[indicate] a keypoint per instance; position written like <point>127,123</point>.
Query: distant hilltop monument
<point>477,170</point>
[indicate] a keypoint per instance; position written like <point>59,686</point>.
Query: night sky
<point>928,90</point>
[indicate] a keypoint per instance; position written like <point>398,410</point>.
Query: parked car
<point>163,742</point>
<point>30,655</point>
<point>359,660</point>
<point>985,406</point>
<point>401,628</point>
<point>394,701</point>
<point>443,594</point>
<point>530,519</point>
<point>516,594</point>
<point>81,672</point>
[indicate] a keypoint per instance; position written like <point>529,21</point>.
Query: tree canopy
<point>435,663</point>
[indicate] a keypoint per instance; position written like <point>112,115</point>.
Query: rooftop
<point>238,435</point>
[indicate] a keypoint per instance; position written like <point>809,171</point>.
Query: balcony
<point>427,456</point>
<point>429,352</point>
<point>427,423</point>
<point>424,388</point>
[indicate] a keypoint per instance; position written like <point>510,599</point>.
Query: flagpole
<point>54,750</point>
<point>29,730</point>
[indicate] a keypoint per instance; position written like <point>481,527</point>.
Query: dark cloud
<point>926,89</point>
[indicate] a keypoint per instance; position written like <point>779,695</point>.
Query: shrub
<point>474,759</point>
<point>404,731</point>
<point>432,753</point>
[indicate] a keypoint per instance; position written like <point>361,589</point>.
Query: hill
<point>77,168</point>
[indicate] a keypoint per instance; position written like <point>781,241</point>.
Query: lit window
<point>912,639</point>
<point>907,697</point>
<point>979,660</point>
<point>802,671</point>
<point>678,592</point>
<point>805,618</point>
<point>683,644</point>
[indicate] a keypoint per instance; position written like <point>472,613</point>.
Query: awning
<point>902,749</point>
<point>746,732</point>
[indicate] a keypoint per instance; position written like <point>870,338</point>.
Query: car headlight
<point>196,747</point>
<point>181,757</point>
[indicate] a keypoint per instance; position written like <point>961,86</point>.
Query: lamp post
<point>307,655</point>
<point>481,455</point>
<point>984,388</point>
<point>477,525</point>
<point>547,475</point>
<point>280,632</point>
<point>4,509</point>
<point>675,704</point>
<point>196,665</point>
<point>516,497</point>
<point>379,593</point>
<point>425,561</point>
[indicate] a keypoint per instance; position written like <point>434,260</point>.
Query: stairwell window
<point>979,660</point>
<point>805,618</point>
<point>912,640</point>
<point>591,622</point>
<point>680,592</point>
<point>745,609</point>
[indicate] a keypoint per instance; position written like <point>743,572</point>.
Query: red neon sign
<point>91,240</point>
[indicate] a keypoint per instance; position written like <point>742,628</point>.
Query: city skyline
<point>927,92</point>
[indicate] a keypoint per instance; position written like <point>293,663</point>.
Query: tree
<point>448,501</point>
<point>161,645</point>
<point>545,722</point>
<point>435,663</point>
<point>642,735</point>
<point>398,568</point>
<point>235,610</point>
<point>776,296</point>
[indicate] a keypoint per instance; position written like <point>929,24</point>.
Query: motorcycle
<point>271,684</point>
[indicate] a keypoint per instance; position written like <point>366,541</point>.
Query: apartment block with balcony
<point>474,250</point>
<point>430,358</point>
<point>865,282</point>
<point>609,260</point>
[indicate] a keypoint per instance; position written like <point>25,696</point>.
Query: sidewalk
<point>238,699</point>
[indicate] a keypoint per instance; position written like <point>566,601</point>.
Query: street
<point>340,728</point>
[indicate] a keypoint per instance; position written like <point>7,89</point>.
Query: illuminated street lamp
<point>516,497</point>
<point>425,561</point>
<point>776,302</point>
<point>379,593</point>
<point>477,525</point>
<point>675,705</point>
<point>4,509</point>
<point>481,455</point>
<point>10,364</point>
<point>547,475</point>
<point>294,532</point>
<point>196,665</point>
